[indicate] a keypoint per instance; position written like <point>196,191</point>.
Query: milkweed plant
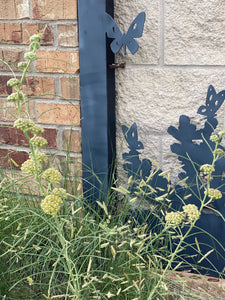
<point>65,248</point>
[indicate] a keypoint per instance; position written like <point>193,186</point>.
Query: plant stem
<point>67,259</point>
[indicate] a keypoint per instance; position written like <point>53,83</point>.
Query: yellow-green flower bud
<point>39,156</point>
<point>22,65</point>
<point>39,141</point>
<point>192,212</point>
<point>16,96</point>
<point>35,37</point>
<point>31,167</point>
<point>207,169</point>
<point>51,204</point>
<point>174,218</point>
<point>213,193</point>
<point>23,124</point>
<point>52,175</point>
<point>37,129</point>
<point>13,82</point>
<point>30,55</point>
<point>59,192</point>
<point>221,133</point>
<point>214,138</point>
<point>219,152</point>
<point>34,46</point>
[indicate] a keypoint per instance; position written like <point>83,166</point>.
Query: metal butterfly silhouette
<point>125,40</point>
<point>131,136</point>
<point>213,102</point>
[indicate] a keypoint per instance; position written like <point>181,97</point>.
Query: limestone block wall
<point>181,53</point>
<point>52,84</point>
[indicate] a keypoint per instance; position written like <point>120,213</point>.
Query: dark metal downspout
<point>97,98</point>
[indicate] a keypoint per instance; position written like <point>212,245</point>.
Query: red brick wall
<point>52,82</point>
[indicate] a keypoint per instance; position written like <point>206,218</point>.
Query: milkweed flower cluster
<point>219,152</point>
<point>174,218</point>
<point>190,214</point>
<point>13,82</point>
<point>18,96</point>
<point>52,175</point>
<point>24,125</point>
<point>22,65</point>
<point>59,192</point>
<point>216,137</point>
<point>30,55</point>
<point>207,169</point>
<point>39,141</point>
<point>213,193</point>
<point>31,167</point>
<point>51,204</point>
<point>39,156</point>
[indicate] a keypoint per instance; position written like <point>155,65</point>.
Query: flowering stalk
<point>190,211</point>
<point>52,196</point>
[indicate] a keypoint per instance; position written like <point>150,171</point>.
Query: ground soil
<point>194,286</point>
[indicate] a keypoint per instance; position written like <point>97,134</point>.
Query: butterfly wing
<point>213,103</point>
<point>113,32</point>
<point>131,136</point>
<point>135,31</point>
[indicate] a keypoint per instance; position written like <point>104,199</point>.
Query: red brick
<point>34,28</point>
<point>12,136</point>
<point>8,111</point>
<point>70,88</point>
<point>7,157</point>
<point>43,87</point>
<point>71,140</point>
<point>10,33</point>
<point>71,166</point>
<point>68,35</point>
<point>54,9</point>
<point>59,114</point>
<point>57,61</point>
<point>12,57</point>
<point>14,9</point>
<point>4,89</point>
<point>19,33</point>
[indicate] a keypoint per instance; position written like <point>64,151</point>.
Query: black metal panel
<point>193,149</point>
<point>97,104</point>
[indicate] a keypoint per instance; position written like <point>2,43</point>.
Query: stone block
<point>155,98</point>
<point>125,13</point>
<point>194,32</point>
